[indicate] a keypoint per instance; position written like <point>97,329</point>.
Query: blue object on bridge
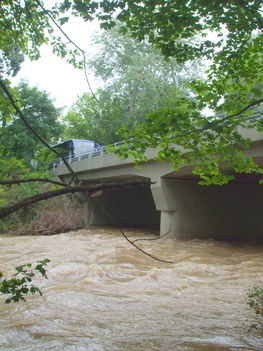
<point>97,147</point>
<point>75,147</point>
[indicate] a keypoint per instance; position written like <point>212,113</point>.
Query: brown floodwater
<point>104,295</point>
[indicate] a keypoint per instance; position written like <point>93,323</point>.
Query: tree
<point>137,74</point>
<point>42,115</point>
<point>234,77</point>
<point>95,120</point>
<point>232,88</point>
<point>172,25</point>
<point>25,26</point>
<point>137,80</point>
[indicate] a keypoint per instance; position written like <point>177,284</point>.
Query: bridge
<point>174,201</point>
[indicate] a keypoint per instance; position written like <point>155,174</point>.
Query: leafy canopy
<point>172,25</point>
<point>42,115</point>
<point>25,26</point>
<point>136,80</point>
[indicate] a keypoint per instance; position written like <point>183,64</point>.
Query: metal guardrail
<point>80,156</point>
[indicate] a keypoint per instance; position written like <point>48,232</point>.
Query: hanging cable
<point>151,239</point>
<point>114,222</point>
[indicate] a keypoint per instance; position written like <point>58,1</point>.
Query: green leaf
<point>63,20</point>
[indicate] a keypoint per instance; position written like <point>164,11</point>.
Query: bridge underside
<point>230,212</point>
<point>126,207</point>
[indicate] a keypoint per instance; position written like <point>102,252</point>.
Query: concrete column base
<point>85,210</point>
<point>166,204</point>
<point>168,224</point>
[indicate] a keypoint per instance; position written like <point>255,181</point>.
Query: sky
<point>61,80</point>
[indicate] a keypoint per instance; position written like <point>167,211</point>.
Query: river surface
<point>104,295</point>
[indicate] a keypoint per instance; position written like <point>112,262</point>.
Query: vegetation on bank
<point>46,217</point>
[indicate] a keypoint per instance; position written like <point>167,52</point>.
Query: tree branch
<point>21,181</point>
<point>113,221</point>
<point>74,44</point>
<point>6,211</point>
<point>244,109</point>
<point>211,125</point>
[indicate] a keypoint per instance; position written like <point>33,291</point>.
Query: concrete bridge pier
<point>165,203</point>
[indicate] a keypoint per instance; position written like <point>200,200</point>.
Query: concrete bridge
<point>175,203</point>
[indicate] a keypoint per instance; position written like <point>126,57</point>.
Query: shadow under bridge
<point>126,206</point>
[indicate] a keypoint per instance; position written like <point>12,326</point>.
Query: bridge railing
<point>98,151</point>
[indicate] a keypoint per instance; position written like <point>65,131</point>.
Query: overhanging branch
<point>21,181</point>
<point>89,189</point>
<point>212,125</point>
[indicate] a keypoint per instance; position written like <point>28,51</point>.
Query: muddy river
<point>104,295</point>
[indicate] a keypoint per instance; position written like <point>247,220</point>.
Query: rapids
<point>104,295</point>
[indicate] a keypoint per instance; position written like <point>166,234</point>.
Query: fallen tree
<point>68,189</point>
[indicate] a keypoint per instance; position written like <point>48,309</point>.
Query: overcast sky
<point>55,75</point>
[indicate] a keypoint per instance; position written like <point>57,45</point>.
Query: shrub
<point>255,301</point>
